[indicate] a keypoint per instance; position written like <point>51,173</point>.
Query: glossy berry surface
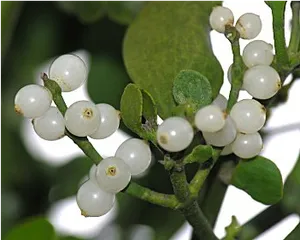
<point>32,101</point>
<point>249,25</point>
<point>136,154</point>
<point>210,119</point>
<point>50,126</point>
<point>175,134</point>
<point>69,71</point>
<point>220,17</point>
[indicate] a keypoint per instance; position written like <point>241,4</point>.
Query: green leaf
<point>232,230</point>
<point>135,104</point>
<point>34,229</point>
<point>191,87</point>
<point>107,80</point>
<point>132,108</point>
<point>260,178</point>
<point>165,38</point>
<point>200,154</point>
<point>149,107</point>
<point>123,12</point>
<point>292,189</point>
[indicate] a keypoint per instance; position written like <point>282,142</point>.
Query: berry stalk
<point>84,144</point>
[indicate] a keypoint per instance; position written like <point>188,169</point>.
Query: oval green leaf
<point>191,87</point>
<point>149,107</point>
<point>34,229</point>
<point>165,38</point>
<point>260,178</point>
<point>132,108</point>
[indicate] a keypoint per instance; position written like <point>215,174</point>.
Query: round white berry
<point>33,101</point>
<point>174,134</point>
<point>69,71</point>
<point>210,119</point>
<point>247,145</point>
<point>221,102</point>
<point>223,137</point>
<point>109,121</point>
<point>93,201</point>
<point>113,174</point>
<point>261,82</point>
<point>82,118</point>
<point>249,115</point>
<point>249,25</point>
<point>258,52</point>
<point>136,154</point>
<point>227,150</point>
<point>92,173</point>
<point>220,17</point>
<point>50,126</point>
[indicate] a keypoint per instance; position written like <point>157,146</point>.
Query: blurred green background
<point>32,33</point>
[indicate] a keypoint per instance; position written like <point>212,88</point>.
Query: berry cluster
<point>237,131</point>
<point>84,118</point>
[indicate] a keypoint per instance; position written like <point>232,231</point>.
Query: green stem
<point>278,9</point>
<point>190,209</point>
<point>295,234</point>
<point>201,175</point>
<point>262,222</point>
<point>238,67</point>
<point>295,33</point>
<point>165,200</point>
<point>84,144</point>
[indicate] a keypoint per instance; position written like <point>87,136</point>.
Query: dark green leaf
<point>132,107</point>
<point>200,154</point>
<point>292,189</point>
<point>123,12</point>
<point>260,178</point>
<point>149,107</point>
<point>191,87</point>
<point>107,80</point>
<point>34,229</point>
<point>165,38</point>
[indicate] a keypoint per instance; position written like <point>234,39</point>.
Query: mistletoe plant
<point>201,129</point>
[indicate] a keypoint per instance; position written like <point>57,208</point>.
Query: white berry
<point>82,118</point>
<point>223,137</point>
<point>50,126</point>
<point>136,154</point>
<point>109,121</point>
<point>174,134</point>
<point>92,173</point>
<point>247,145</point>
<point>227,150</point>
<point>69,71</point>
<point>249,115</point>
<point>113,174</point>
<point>220,17</point>
<point>210,119</point>
<point>33,101</point>
<point>258,52</point>
<point>93,201</point>
<point>261,82</point>
<point>221,102</point>
<point>249,25</point>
